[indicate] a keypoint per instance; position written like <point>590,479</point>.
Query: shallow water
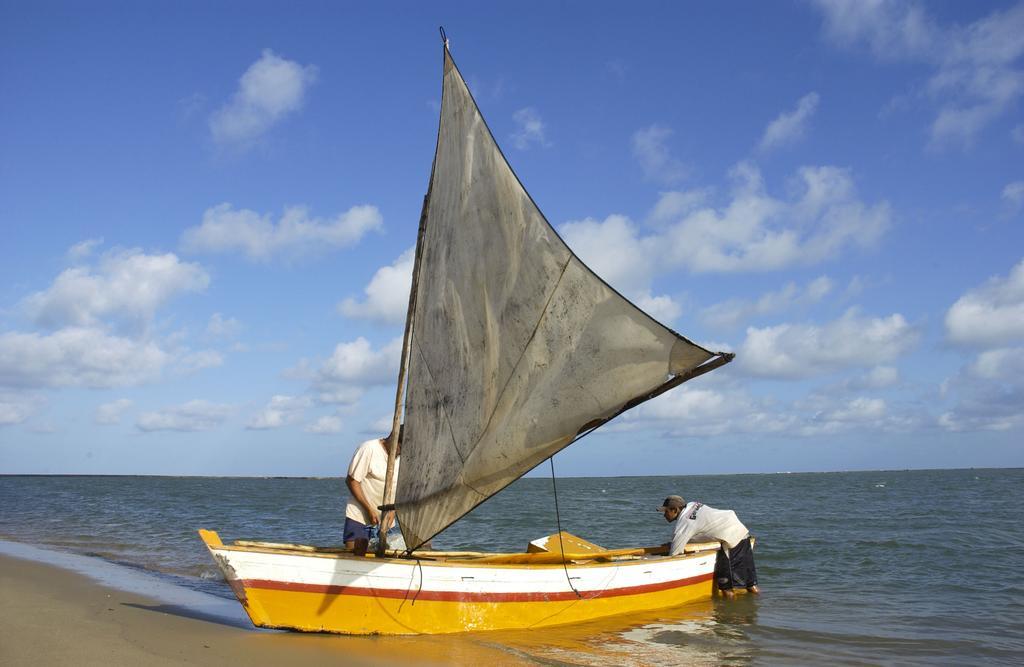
<point>909,567</point>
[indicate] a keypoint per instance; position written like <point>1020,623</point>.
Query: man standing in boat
<point>734,564</point>
<point>365,483</point>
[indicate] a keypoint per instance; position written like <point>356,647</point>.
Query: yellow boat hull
<point>365,614</point>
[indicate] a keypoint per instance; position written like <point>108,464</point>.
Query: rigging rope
<point>558,521</point>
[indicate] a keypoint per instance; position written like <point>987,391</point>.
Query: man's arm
<point>357,492</point>
<point>683,533</point>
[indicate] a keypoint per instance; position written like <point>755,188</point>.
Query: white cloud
<point>752,232</point>
<point>984,405</point>
<point>342,395</point>
<point>190,362</point>
<point>987,394</point>
<point>225,229</point>
<point>12,413</point>
<point>878,377</point>
<point>223,327</point>
<point>974,80</point>
<point>708,412</point>
<point>614,250</point>
<point>328,425</point>
<point>789,126</point>
<point>100,317</point>
<point>756,232</point>
<point>858,410</point>
<point>1013,195</point>
<point>16,407</point>
<point>387,294</point>
<point>821,414</point>
<point>280,411</point>
<point>687,403</point>
<point>357,363</point>
<point>529,129</point>
<point>650,150</point>
<point>977,76</point>
<point>352,368</point>
<point>84,249</point>
<point>960,421</point>
<point>817,289</point>
<point>893,31</point>
<point>194,415</point>
<point>990,315</point>
<point>675,204</point>
<point>957,125</point>
<point>110,413</point>
<point>77,357</point>
<point>875,379</point>
<point>702,412</point>
<point>380,425</point>
<point>794,351</point>
<point>735,312</point>
<point>269,90</point>
<point>125,285</point>
<point>1005,363</point>
<point>662,308</point>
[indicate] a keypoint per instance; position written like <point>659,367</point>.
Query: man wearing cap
<point>734,564</point>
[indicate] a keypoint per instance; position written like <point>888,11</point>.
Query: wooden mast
<point>389,476</point>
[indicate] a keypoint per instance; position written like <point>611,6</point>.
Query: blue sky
<point>207,213</point>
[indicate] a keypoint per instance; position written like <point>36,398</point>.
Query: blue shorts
<point>357,531</point>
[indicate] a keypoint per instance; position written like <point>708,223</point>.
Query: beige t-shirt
<point>369,467</point>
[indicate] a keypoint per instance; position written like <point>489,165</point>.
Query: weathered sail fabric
<point>516,344</point>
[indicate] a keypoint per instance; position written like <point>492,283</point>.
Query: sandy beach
<point>50,616</point>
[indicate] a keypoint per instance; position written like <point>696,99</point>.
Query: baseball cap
<point>672,501</point>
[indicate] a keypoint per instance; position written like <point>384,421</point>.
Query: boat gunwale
<point>704,550</point>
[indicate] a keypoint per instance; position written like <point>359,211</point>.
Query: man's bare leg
<point>358,547</point>
<point>754,589</point>
<point>729,594</point>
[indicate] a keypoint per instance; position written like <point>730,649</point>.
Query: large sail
<point>516,345</point>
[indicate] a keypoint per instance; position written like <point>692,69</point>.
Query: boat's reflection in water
<point>704,633</point>
<point>712,632</point>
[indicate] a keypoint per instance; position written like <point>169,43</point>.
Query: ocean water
<point>894,567</point>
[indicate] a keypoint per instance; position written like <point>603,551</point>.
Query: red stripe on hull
<point>458,596</point>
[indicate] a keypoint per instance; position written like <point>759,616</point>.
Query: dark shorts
<point>355,531</point>
<point>737,569</point>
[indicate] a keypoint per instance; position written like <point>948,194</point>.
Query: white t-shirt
<point>369,467</point>
<point>697,519</point>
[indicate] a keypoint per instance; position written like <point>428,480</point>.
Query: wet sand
<point>51,616</point>
<point>60,608</point>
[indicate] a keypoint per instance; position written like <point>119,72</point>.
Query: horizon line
<point>706,474</point>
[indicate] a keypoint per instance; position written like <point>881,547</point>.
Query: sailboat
<point>513,350</point>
